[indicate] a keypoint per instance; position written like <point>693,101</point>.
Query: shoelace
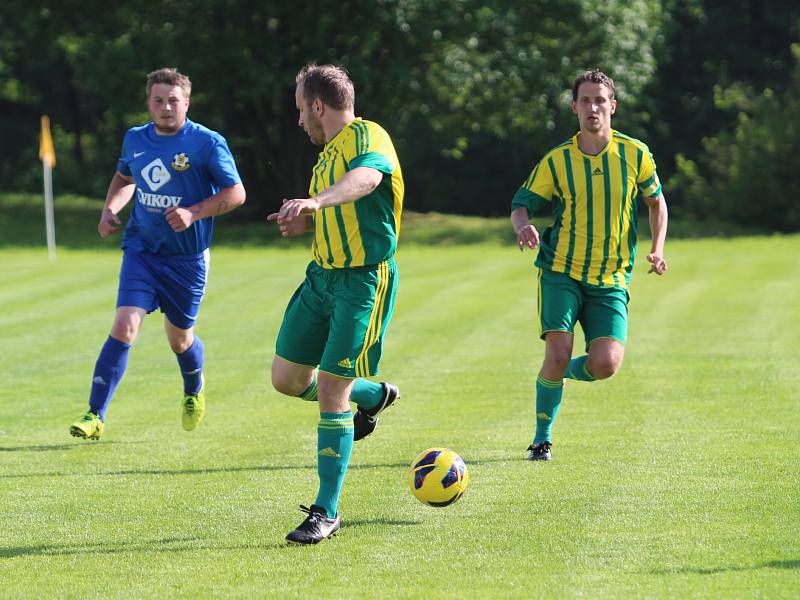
<point>189,405</point>
<point>313,516</point>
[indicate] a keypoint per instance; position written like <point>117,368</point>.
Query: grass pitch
<point>676,478</point>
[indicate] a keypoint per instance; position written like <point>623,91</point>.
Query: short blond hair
<point>171,77</point>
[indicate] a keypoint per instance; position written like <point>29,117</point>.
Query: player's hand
<point>109,223</point>
<point>291,228</point>
<point>291,209</point>
<point>527,237</point>
<point>657,263</point>
<point>180,219</point>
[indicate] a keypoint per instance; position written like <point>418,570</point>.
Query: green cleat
<point>194,407</point>
<point>88,427</point>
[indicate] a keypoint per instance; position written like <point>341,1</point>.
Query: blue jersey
<point>173,170</point>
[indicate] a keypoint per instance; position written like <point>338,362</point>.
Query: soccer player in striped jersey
<point>332,333</point>
<point>586,256</point>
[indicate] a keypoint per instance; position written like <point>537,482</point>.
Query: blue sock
<point>310,395</point>
<point>367,394</point>
<point>191,364</point>
<point>334,444</point>
<point>108,370</point>
<point>548,400</point>
<point>577,369</point>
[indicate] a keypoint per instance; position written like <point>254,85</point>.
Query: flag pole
<point>48,211</point>
<point>48,156</point>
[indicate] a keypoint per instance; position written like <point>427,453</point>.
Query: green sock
<point>548,399</point>
<point>311,391</point>
<point>577,369</point>
<point>334,444</point>
<point>367,394</point>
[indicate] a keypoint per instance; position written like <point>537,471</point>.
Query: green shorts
<point>337,319</point>
<point>563,301</point>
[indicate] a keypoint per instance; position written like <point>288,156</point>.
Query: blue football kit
<point>162,268</point>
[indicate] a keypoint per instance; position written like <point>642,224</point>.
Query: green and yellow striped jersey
<point>593,238</point>
<point>363,232</point>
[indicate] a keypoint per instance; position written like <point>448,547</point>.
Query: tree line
<point>472,92</point>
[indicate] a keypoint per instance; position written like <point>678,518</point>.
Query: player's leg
<point>181,287</point>
<point>558,304</point>
<point>108,371</point>
<point>550,390</point>
<point>189,351</point>
<point>302,338</point>
<point>293,379</point>
<point>190,354</point>
<point>604,318</point>
<point>361,316</point>
<point>136,296</point>
<point>334,445</point>
<point>605,357</point>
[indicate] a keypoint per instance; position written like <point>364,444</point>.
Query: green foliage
<point>472,92</point>
<point>706,50</point>
<point>468,89</point>
<point>747,173</point>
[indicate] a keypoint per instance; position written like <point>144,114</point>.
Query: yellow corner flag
<point>46,151</point>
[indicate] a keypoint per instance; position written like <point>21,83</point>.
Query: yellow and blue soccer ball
<point>438,477</point>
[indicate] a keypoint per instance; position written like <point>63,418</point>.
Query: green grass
<point>676,478</point>
<point>22,223</point>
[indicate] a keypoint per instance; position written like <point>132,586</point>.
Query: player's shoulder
<point>557,150</point>
<point>138,130</point>
<point>627,140</point>
<point>365,136</point>
<point>366,127</point>
<point>201,132</point>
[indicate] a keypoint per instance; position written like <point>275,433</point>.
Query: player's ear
<point>613,106</point>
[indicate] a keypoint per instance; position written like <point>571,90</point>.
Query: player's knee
<point>556,362</point>
<point>282,384</point>
<point>124,331</point>
<point>180,346</point>
<point>605,366</point>
<point>288,383</point>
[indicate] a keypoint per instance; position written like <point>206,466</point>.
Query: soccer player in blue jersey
<point>338,317</point>
<point>586,257</point>
<point>182,176</point>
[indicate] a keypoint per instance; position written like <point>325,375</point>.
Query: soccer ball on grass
<point>438,477</point>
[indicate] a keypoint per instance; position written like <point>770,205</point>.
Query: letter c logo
<point>155,174</point>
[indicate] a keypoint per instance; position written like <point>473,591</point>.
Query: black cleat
<point>365,421</point>
<point>315,528</point>
<point>540,451</point>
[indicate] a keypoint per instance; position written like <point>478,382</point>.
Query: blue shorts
<point>175,284</point>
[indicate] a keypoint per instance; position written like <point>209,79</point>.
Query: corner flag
<point>46,151</point>
<point>47,154</point>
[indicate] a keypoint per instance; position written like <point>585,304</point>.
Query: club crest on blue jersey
<point>180,162</point>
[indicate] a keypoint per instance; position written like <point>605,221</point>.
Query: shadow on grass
<point>170,545</point>
<point>212,470</point>
<point>773,564</point>
<point>51,447</point>
<point>388,522</point>
<point>205,471</point>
